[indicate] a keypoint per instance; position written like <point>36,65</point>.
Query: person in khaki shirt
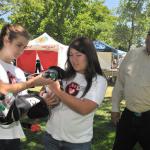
<point>133,85</point>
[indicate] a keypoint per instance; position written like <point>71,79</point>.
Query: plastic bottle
<point>5,103</point>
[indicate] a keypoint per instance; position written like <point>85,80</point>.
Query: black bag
<point>40,110</point>
<point>30,104</point>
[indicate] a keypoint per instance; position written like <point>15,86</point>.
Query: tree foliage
<point>95,21</point>
<point>132,23</point>
<point>5,7</point>
<point>65,19</point>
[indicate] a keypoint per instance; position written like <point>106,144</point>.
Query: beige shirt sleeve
<point>118,91</point>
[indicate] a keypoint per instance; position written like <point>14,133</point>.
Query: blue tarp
<point>103,47</point>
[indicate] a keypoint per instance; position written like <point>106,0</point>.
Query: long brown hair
<point>85,46</point>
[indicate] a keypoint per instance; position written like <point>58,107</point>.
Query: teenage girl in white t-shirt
<point>13,40</point>
<point>70,126</point>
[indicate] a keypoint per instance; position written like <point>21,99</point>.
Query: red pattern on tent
<point>27,61</point>
<point>48,58</point>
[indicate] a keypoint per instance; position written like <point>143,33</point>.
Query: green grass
<point>104,131</point>
<point>103,128</point>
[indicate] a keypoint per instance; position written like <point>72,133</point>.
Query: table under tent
<point>108,58</point>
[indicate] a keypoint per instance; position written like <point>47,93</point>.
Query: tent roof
<point>43,42</point>
<point>103,47</point>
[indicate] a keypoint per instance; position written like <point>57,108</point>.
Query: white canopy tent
<point>49,51</point>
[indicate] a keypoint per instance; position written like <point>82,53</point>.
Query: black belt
<point>137,114</point>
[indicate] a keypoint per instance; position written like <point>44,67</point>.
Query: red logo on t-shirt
<point>72,88</point>
<point>11,77</point>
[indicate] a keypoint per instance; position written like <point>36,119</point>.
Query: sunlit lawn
<point>104,131</point>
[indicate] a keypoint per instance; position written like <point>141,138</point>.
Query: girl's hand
<point>50,98</point>
<point>54,86</point>
<point>39,81</point>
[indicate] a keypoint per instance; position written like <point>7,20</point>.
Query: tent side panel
<point>105,59</point>
<point>48,58</point>
<point>27,61</point>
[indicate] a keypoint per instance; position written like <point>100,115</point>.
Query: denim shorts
<point>52,144</point>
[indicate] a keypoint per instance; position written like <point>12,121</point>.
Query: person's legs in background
<point>144,132</point>
<point>126,136</point>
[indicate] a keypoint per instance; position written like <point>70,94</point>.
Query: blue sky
<point>111,4</point>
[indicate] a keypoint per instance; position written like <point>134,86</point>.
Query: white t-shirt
<point>67,125</point>
<point>15,74</point>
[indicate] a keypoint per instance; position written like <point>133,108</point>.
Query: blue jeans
<point>52,144</point>
<point>12,144</point>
